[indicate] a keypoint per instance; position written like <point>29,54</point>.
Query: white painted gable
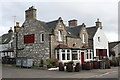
<point>102,43</point>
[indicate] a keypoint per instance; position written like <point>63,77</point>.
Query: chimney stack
<point>17,27</point>
<point>98,24</point>
<point>10,30</point>
<point>30,14</point>
<point>72,22</point>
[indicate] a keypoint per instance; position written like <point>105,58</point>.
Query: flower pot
<point>88,66</point>
<point>77,67</point>
<point>69,67</point>
<point>95,64</point>
<point>61,67</point>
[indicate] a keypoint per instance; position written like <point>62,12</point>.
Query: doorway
<point>82,57</point>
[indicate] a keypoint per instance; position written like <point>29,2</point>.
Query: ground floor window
<point>68,56</point>
<point>58,56</point>
<point>74,57</point>
<point>63,56</point>
<point>89,54</point>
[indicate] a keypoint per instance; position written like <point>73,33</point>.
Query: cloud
<point>83,10</point>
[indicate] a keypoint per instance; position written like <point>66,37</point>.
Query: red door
<point>82,57</point>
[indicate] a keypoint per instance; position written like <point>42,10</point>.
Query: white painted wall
<point>103,44</point>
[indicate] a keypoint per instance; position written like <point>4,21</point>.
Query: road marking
<point>103,74</point>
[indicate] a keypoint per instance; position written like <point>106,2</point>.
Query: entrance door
<point>82,57</point>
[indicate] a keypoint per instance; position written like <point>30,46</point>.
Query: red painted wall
<point>29,38</point>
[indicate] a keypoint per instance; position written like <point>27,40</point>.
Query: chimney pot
<point>17,23</point>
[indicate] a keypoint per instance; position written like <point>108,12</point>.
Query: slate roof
<point>74,31</point>
<point>51,25</point>
<point>91,31</point>
<point>113,44</point>
<point>6,38</point>
<point>9,50</point>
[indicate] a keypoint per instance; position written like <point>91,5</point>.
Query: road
<point>15,72</point>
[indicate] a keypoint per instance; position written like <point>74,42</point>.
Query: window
<point>58,56</point>
<point>98,39</point>
<point>42,37</point>
<point>63,56</point>
<point>74,57</point>
<point>74,51</point>
<point>68,56</point>
<point>74,44</point>
<point>59,35</point>
<point>63,50</point>
<point>90,55</point>
<point>60,25</point>
<point>83,37</point>
<point>87,55</point>
<point>68,50</point>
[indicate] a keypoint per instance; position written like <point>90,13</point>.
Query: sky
<point>85,11</point>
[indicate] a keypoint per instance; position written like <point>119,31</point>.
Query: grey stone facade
<point>55,33</point>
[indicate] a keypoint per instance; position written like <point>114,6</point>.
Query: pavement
<point>9,71</point>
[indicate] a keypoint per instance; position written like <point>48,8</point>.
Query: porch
<point>76,55</point>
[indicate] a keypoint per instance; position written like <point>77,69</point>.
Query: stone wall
<point>36,50</point>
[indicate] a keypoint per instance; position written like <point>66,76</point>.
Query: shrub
<point>53,62</point>
<point>41,63</point>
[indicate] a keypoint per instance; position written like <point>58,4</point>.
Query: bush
<point>49,66</point>
<point>53,62</point>
<point>107,64</point>
<point>41,63</point>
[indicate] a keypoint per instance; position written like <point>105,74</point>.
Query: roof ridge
<point>91,27</point>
